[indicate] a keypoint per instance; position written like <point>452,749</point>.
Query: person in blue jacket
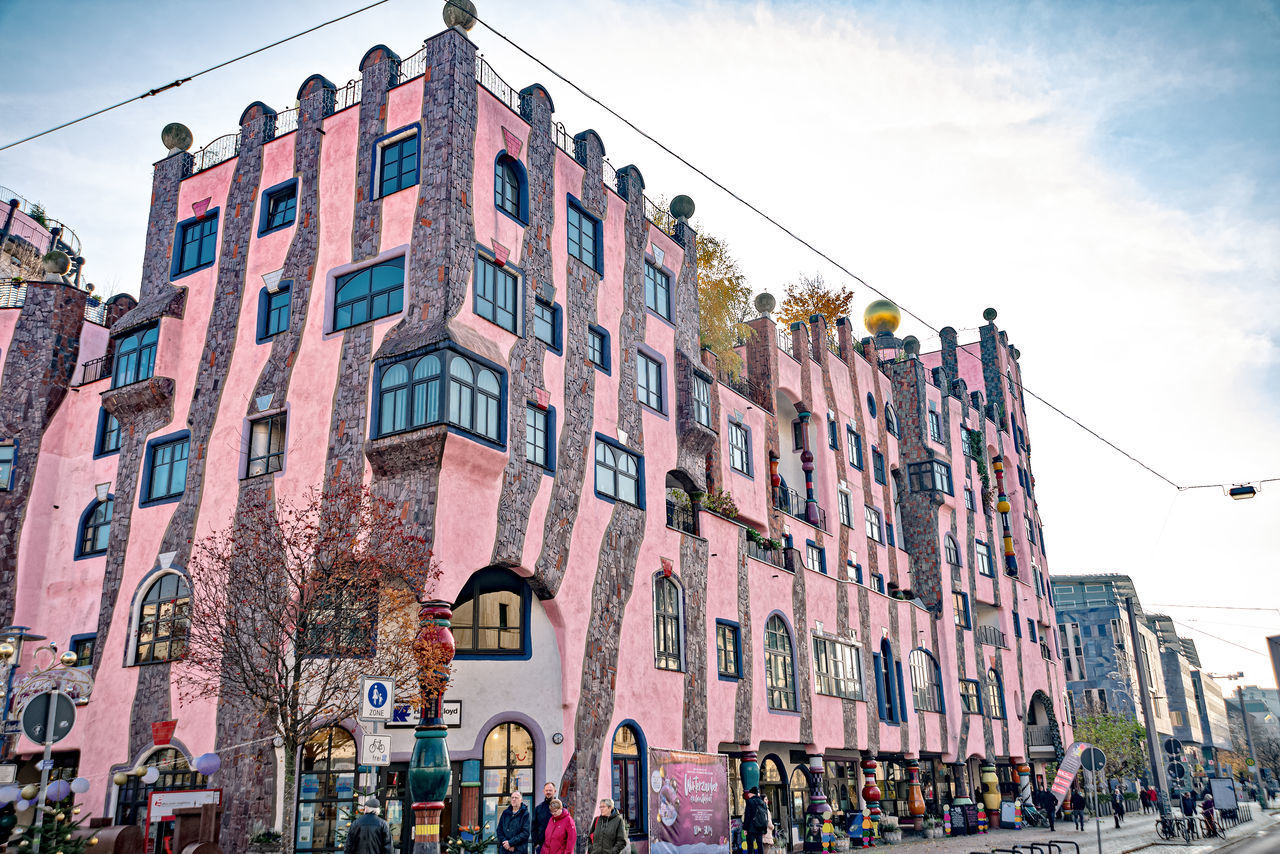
<point>514,826</point>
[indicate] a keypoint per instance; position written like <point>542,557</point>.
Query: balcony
<point>773,557</point>
<point>991,636</point>
<point>793,504</point>
<point>1040,736</point>
<point>785,341</point>
<point>681,517</point>
<point>95,369</point>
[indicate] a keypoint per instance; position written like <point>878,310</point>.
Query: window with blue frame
<point>275,313</point>
<point>368,294</point>
<point>598,348</point>
<point>167,477</point>
<point>833,434</point>
<point>657,291</point>
<point>82,648</point>
<point>854,571</point>
<point>649,390</point>
<point>739,448</point>
<point>889,696</point>
<point>926,681</point>
<point>440,387</point>
<point>266,445</point>
<point>871,404</point>
<point>960,602</point>
<point>628,779</point>
<point>197,244</point>
<point>701,398</point>
<point>995,694</point>
<point>546,323</point>
<point>877,465</point>
<point>617,473</point>
<point>491,616</point>
<point>135,357</point>
<point>584,233</point>
<point>108,434</point>
<point>845,502</point>
<point>1031,630</point>
<point>1017,625</point>
<point>95,530</point>
<point>930,476</point>
<point>398,164</point>
<point>877,582</point>
<point>7,454</point>
<point>855,446</point>
<point>779,669</point>
<point>281,208</point>
<point>970,697</point>
<point>985,565</point>
<point>538,440</point>
<point>507,187</point>
<point>875,525</point>
<point>496,294</point>
<point>668,625</point>
<point>728,649</point>
<point>815,557</point>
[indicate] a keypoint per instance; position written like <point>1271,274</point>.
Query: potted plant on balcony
<point>265,841</point>
<point>722,504</point>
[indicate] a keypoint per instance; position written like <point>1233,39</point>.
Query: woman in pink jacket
<point>562,835</point>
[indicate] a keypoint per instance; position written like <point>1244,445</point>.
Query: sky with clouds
<point>1105,174</point>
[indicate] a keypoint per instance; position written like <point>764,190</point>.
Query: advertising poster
<point>1067,770</point>
<point>688,802</point>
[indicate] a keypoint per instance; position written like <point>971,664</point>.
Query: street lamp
<point>1242,490</point>
<point>11,659</point>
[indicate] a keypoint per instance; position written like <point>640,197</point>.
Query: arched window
<point>799,794</point>
<point>952,550</point>
<point>135,357</point>
<point>617,473</point>
<point>409,396</point>
<point>327,794</point>
<point>507,764</point>
<point>368,294</point>
<point>162,620</point>
<point>490,618</point>
<point>628,777</point>
<point>133,797</point>
<point>890,419</point>
<point>995,694</point>
<point>926,682</point>
<point>779,672</point>
<point>96,529</point>
<point>888,679</point>
<point>508,186</point>
<point>668,633</point>
<point>474,394</point>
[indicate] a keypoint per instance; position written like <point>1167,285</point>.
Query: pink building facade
<point>424,278</point>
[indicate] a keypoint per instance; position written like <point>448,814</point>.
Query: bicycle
<point>1213,828</point>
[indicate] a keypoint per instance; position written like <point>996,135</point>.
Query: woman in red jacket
<point>562,835</point>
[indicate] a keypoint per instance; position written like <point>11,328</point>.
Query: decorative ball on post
<point>989,315</point>
<point>871,797</point>
<point>56,262</point>
<point>682,208</point>
<point>882,317</point>
<point>176,137</point>
<point>460,13</point>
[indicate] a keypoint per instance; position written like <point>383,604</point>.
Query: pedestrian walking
<point>1145,797</point>
<point>755,821</point>
<point>514,826</point>
<point>1155,798</point>
<point>608,831</point>
<point>561,835</point>
<point>542,815</point>
<point>1117,805</point>
<point>369,834</point>
<point>1206,807</point>
<point>1047,804</point>
<point>1188,803</point>
<point>1077,808</point>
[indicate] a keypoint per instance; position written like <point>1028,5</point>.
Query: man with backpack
<point>755,820</point>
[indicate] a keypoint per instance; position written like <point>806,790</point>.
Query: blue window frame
<point>368,294</point>
<point>1031,631</point>
<point>779,664</point>
<point>960,602</point>
<point>95,529</point>
<point>440,387</point>
<point>197,244</point>
<point>266,445</point>
<point>970,697</point>
<point>82,647</point>
<point>279,207</point>
<point>728,650</point>
<point>598,348</point>
<point>166,469</point>
<point>273,312</point>
<point>135,357</point>
<point>649,382</point>
<point>398,164</point>
<point>995,694</point>
<point>546,323</point>
<point>619,472</point>
<point>584,236</point>
<point>657,291</point>
<point>854,570</point>
<point>108,438</point>
<point>510,188</point>
<point>877,465</point>
<point>497,293</point>
<point>491,616</point>
<point>890,697</point>
<point>833,434</point>
<point>815,557</point>
<point>739,448</point>
<point>8,453</point>
<point>855,446</point>
<point>871,404</point>
<point>628,776</point>
<point>540,436</point>
<point>877,582</point>
<point>1017,625</point>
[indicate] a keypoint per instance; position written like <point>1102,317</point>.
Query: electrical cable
<point>820,253</point>
<point>1217,638</point>
<point>1218,607</point>
<point>176,83</point>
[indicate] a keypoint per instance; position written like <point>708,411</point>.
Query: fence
<point>501,89</point>
<point>95,369</point>
<point>785,341</point>
<point>349,95</point>
<point>792,503</point>
<point>991,636</point>
<point>12,295</point>
<point>220,150</point>
<point>740,384</point>
<point>681,517</point>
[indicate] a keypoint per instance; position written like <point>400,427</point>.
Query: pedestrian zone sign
<point>377,750</point>
<point>377,698</point>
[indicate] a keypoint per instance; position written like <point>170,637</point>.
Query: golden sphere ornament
<point>882,316</point>
<point>120,778</point>
<point>30,791</point>
<point>93,840</point>
<point>60,817</point>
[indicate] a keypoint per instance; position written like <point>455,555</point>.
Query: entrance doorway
<point>773,789</point>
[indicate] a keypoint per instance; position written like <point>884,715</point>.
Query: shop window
<point>133,798</point>
<point>491,616</point>
<point>507,763</point>
<point>327,797</point>
<point>629,783</point>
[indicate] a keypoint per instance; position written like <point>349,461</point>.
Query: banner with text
<point>1067,770</point>
<point>688,802</point>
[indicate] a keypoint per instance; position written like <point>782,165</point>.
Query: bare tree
<point>293,601</point>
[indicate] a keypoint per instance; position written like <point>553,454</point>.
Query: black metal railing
<point>794,504</point>
<point>833,345</point>
<point>502,90</point>
<point>785,341</point>
<point>991,636</point>
<point>740,384</point>
<point>681,517</point>
<point>774,557</point>
<point>95,369</point>
<point>1040,736</point>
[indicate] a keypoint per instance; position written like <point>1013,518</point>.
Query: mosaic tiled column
<point>806,463</point>
<point>915,800</point>
<point>817,806</point>
<point>429,774</point>
<point>871,798</point>
<point>1002,505</point>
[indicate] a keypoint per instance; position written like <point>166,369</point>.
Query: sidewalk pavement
<point>1138,833</point>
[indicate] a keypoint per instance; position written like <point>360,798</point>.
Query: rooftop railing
<point>785,341</point>
<point>95,369</point>
<point>991,636</point>
<point>794,504</point>
<point>491,80</point>
<point>740,384</point>
<point>349,95</point>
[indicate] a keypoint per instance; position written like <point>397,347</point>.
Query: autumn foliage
<point>810,295</point>
<point>294,600</point>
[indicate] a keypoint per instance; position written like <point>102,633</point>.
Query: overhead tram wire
<point>176,83</point>
<point>1217,638</point>
<point>822,254</point>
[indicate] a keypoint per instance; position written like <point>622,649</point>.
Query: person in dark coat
<point>608,831</point>
<point>1117,805</point>
<point>1046,803</point>
<point>1188,803</point>
<point>542,816</point>
<point>1077,808</point>
<point>369,834</point>
<point>755,820</point>
<point>1145,797</point>
<point>514,826</point>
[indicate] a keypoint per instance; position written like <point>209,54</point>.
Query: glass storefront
<point>326,791</point>
<point>507,764</point>
<point>773,789</point>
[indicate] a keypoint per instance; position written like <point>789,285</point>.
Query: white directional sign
<point>377,750</point>
<point>377,698</point>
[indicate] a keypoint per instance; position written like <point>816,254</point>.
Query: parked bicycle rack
<point>1052,846</point>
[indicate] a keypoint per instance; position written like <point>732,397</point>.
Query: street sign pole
<point>44,772</point>
<point>1148,713</point>
<point>1097,819</point>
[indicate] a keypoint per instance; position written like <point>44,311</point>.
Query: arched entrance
<point>175,773</point>
<point>773,788</point>
<point>507,764</point>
